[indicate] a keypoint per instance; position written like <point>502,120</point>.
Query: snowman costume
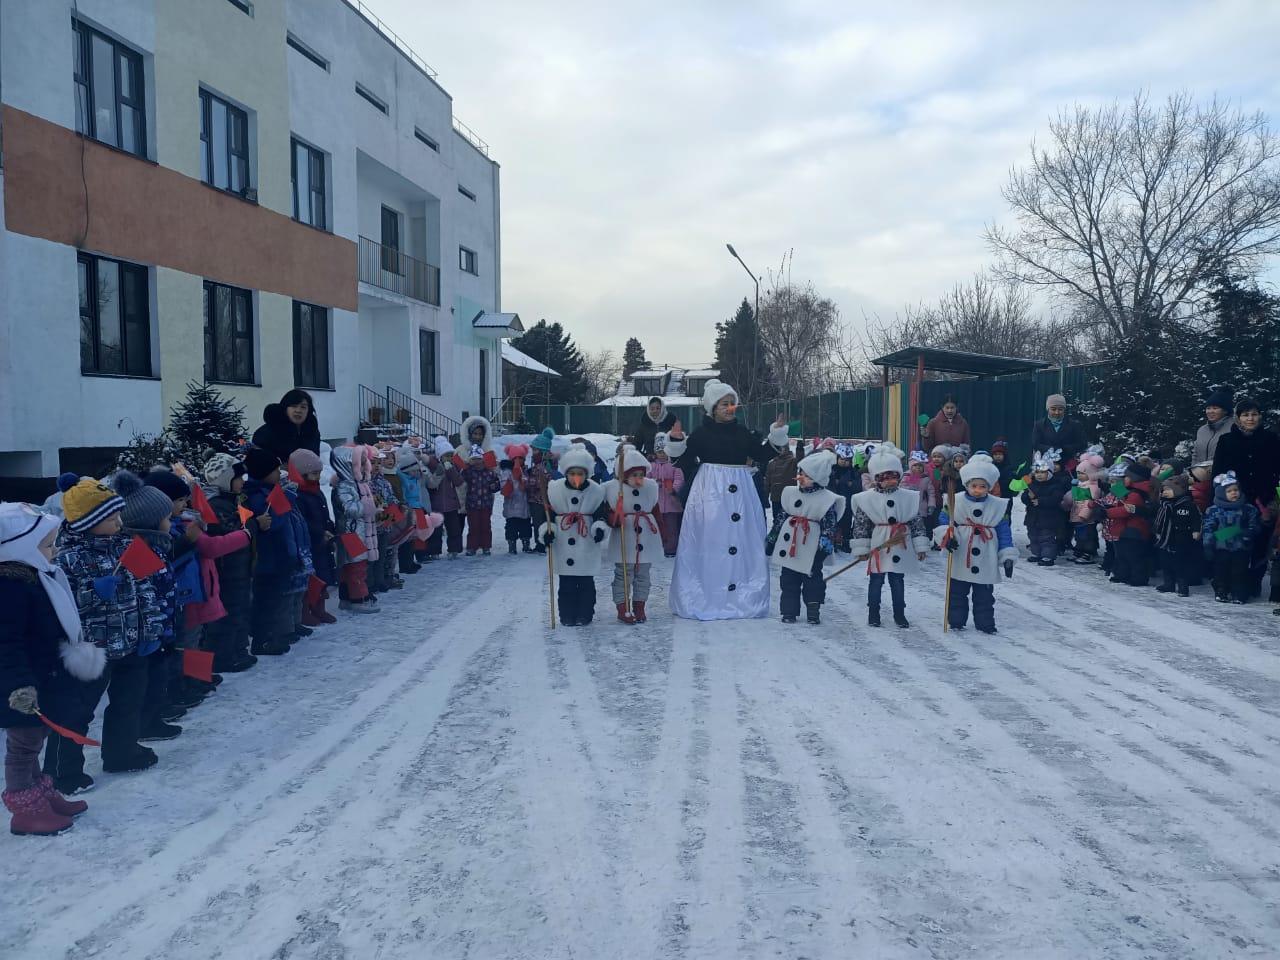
<point>801,540</point>
<point>720,571</point>
<point>636,535</point>
<point>574,530</point>
<point>980,538</point>
<point>880,517</point>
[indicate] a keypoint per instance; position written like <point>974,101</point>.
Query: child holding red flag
<point>284,557</point>
<point>670,481</point>
<point>320,529</point>
<point>482,483</point>
<point>228,637</point>
<point>354,511</point>
<point>516,480</point>
<point>119,613</point>
<point>43,661</point>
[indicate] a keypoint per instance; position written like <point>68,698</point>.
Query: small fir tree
<point>205,420</point>
<point>147,450</point>
<point>633,358</point>
<point>738,357</point>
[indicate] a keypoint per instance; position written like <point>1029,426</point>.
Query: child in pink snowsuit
<point>920,478</point>
<point>670,480</point>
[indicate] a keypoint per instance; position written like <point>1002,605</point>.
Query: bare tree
<point>600,372</point>
<point>1131,208</point>
<point>798,330</point>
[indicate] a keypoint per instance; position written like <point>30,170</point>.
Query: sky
<point>869,141</point>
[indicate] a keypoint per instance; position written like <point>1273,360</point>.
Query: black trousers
<point>1133,561</point>
<point>453,524</point>
<point>73,707</point>
<point>518,528</point>
<point>1231,574</point>
<point>1179,565</point>
<point>576,599</point>
<point>984,604</point>
<point>408,554</point>
<point>1086,539</point>
<point>537,517</point>
<point>1258,563</point>
<point>897,590</point>
<point>228,638</point>
<point>164,679</point>
<point>272,614</point>
<point>795,585</point>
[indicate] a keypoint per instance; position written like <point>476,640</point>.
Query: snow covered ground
<point>453,779</point>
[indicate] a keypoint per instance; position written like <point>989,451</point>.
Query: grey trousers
<point>637,580</point>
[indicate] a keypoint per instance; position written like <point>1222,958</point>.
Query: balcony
<point>388,268</point>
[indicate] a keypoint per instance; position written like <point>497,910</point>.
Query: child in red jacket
<point>1130,520</point>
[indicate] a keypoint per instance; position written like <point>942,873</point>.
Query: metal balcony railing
<point>388,268</point>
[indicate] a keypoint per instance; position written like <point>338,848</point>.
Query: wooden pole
<point>951,555</point>
<point>622,550</point>
<point>551,567</point>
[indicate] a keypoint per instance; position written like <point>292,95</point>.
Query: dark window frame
<point>466,193</point>
<point>390,250</point>
<point>312,371</point>
<point>207,100</point>
<point>373,99</point>
<point>242,346</point>
<point>652,386</point>
<point>468,261</point>
<point>86,124</point>
<point>92,317</point>
<point>316,194</point>
<point>428,362</point>
<point>426,139</point>
<point>292,41</point>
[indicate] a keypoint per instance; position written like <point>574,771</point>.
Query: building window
<point>648,387</point>
<point>311,346</point>
<point>694,388</point>
<point>466,193</point>
<point>391,240</point>
<point>224,142</point>
<point>115,317</point>
<point>306,51</point>
<point>467,261</point>
<point>243,5</point>
<point>428,361</point>
<point>228,334</point>
<point>308,185</point>
<point>417,132</point>
<point>109,100</point>
<point>378,104</point>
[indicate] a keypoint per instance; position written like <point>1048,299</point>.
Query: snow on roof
<point>486,319</point>
<point>522,360</point>
<point>676,401</point>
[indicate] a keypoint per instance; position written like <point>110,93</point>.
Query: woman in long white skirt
<point>721,570</point>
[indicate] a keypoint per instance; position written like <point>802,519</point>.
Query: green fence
<point>1002,407</point>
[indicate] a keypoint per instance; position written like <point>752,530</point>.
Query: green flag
<point>1223,534</point>
<point>923,420</point>
<point>1017,486</point>
<point>795,428</point>
<point>859,460</point>
<point>1079,494</point>
<point>1119,490</point>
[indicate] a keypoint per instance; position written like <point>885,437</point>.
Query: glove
<point>825,546</point>
<point>105,587</point>
<point>459,463</point>
<point>953,544</point>
<point>1008,569</point>
<point>491,460</point>
<point>24,700</point>
<point>549,537</point>
<point>598,536</point>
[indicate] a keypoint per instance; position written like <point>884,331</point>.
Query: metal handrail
<point>425,420</point>
<point>368,401</point>
<point>393,270</point>
<point>470,136</point>
<point>396,40</point>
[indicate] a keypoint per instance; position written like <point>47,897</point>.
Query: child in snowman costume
<point>632,501</point>
<point>979,536</point>
<point>574,530</point>
<point>802,540</point>
<point>889,531</point>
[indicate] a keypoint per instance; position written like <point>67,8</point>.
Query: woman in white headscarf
<point>41,650</point>
<point>722,572</point>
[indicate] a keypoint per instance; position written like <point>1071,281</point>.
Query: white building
<point>259,194</point>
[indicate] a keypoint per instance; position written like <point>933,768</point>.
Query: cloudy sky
<point>871,139</point>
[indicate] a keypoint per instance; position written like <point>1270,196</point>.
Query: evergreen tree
<point>205,420</point>
<point>633,358</point>
<point>1240,350</point>
<point>147,450</point>
<point>551,346</point>
<point>738,358</point>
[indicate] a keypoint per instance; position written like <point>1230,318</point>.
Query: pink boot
<point>31,813</point>
<point>57,802</point>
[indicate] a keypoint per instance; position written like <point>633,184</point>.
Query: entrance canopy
<point>957,361</point>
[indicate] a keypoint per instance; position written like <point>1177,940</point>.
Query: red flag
<point>315,590</point>
<point>278,502</point>
<point>69,734</point>
<point>394,512</point>
<point>420,518</point>
<point>293,475</point>
<point>201,503</point>
<point>198,664</point>
<point>140,560</point>
<point>354,546</point>
<point>245,515</point>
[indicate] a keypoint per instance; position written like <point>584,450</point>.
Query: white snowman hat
<point>714,392</point>
<point>886,459</point>
<point>630,459</point>
<point>817,466</point>
<point>577,457</point>
<point>980,467</point>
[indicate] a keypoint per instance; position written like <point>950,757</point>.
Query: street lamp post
<point>755,347</point>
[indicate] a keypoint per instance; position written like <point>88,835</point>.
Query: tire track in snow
<point>277,802</point>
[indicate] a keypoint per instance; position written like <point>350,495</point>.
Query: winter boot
<point>524,545</point>
<point>486,551</point>
<point>240,665</point>
<point>309,618</point>
<point>625,615</point>
<point>873,616</point>
<point>637,609</point>
<point>272,648</point>
<point>987,630</point>
<point>32,815</point>
<point>304,630</point>
<point>57,802</point>
<point>1165,588</point>
<point>1047,562</point>
<point>143,758</point>
<point>788,618</point>
<point>900,618</point>
<point>814,613</point>
<point>75,783</point>
<point>1186,592</point>
<point>511,547</point>
<point>159,730</point>
<point>323,615</point>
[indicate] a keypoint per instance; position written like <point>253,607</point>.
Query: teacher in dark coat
<point>289,425</point>
<point>1058,432</point>
<point>1253,452</point>
<point>654,420</point>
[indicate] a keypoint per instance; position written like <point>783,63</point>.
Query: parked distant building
<point>258,195</point>
<point>676,385</point>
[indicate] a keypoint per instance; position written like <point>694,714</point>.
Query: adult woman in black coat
<point>654,420</point>
<point>289,425</point>
<point>1254,454</point>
